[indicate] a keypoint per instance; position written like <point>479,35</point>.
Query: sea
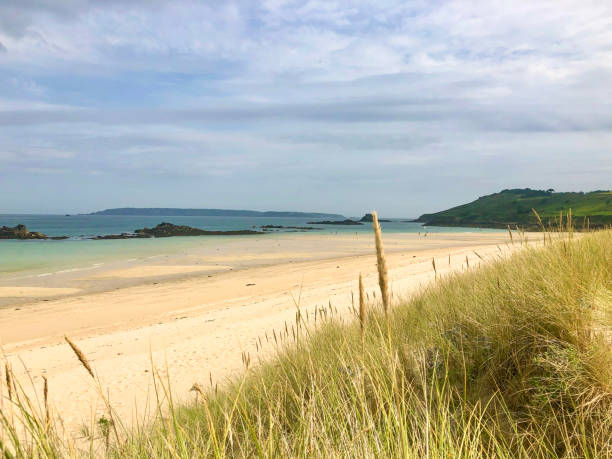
<point>79,252</point>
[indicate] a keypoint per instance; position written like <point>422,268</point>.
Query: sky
<point>344,106</point>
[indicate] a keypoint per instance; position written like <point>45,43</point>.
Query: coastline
<point>81,264</point>
<point>196,326</point>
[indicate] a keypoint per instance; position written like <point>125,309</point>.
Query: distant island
<point>514,207</point>
<point>174,212</point>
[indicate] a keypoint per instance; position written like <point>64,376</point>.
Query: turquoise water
<point>78,251</point>
<point>48,256</point>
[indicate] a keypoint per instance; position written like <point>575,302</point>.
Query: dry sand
<point>156,271</point>
<point>29,292</point>
<point>198,325</point>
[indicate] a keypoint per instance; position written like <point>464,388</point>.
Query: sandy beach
<point>194,315</point>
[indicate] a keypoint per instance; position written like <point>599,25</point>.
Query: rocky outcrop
<point>165,229</point>
<point>369,218</point>
<point>336,222</point>
<point>121,236</point>
<point>294,228</point>
<point>21,232</point>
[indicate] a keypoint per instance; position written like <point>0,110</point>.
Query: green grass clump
<point>512,359</point>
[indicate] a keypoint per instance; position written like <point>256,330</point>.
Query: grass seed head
<point>80,356</point>
<point>9,382</point>
<point>383,278</point>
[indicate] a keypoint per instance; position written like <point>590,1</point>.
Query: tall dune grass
<point>512,359</point>
<point>509,359</point>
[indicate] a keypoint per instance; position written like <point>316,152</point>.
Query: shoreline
<point>17,288</point>
<point>196,326</point>
<point>21,258</point>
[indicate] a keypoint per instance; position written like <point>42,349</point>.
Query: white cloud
<point>323,93</point>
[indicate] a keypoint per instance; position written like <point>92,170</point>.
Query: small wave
<point>69,270</point>
<point>63,271</point>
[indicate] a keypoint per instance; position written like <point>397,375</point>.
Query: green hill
<point>513,207</point>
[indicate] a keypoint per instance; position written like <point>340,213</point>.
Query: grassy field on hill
<point>512,358</point>
<point>513,207</point>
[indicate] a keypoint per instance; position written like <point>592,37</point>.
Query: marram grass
<point>381,263</point>
<point>510,359</point>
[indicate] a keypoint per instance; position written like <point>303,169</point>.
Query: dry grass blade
<point>535,212</point>
<point>510,233</point>
<point>383,278</point>
<point>362,311</point>
<point>80,356</point>
<point>46,398</point>
<point>433,263</point>
<point>198,389</point>
<point>9,383</point>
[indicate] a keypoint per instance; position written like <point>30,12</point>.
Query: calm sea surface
<point>39,256</point>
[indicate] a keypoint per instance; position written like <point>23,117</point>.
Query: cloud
<point>423,99</point>
<point>3,48</point>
